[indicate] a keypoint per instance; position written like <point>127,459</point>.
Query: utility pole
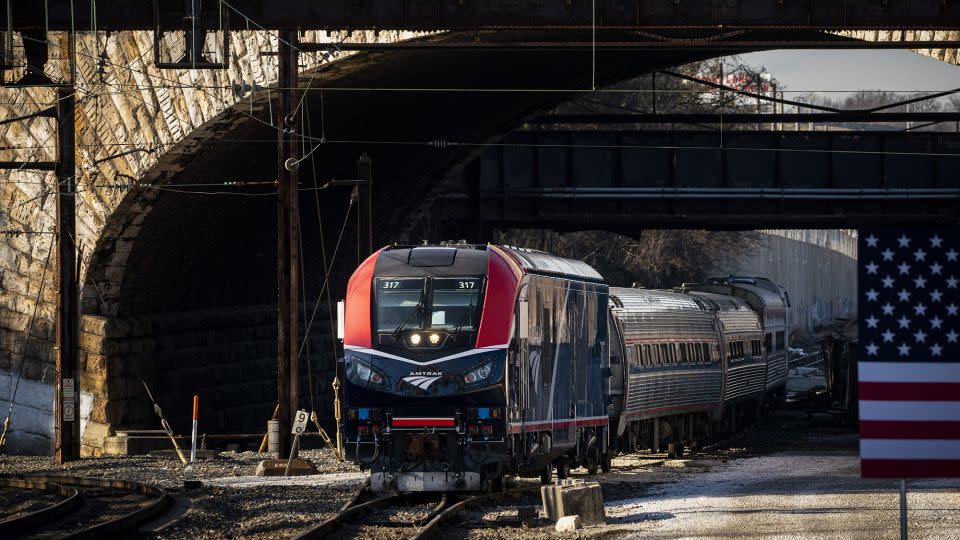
<point>288,253</point>
<point>67,407</point>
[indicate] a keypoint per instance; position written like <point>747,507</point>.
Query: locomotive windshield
<point>450,304</point>
<point>399,303</point>
<point>455,303</point>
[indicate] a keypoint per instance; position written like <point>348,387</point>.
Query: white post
<point>193,437</point>
<point>903,509</point>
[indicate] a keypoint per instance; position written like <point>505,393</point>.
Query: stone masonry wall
<point>227,356</point>
<point>949,56</point>
<point>817,267</point>
<point>131,118</point>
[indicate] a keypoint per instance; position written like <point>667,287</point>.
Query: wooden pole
<point>288,254</point>
<point>67,399</point>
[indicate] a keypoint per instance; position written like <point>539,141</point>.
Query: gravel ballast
<point>788,478</point>
<point>219,510</point>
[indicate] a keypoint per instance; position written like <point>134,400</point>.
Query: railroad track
<point>83,507</point>
<point>406,515</point>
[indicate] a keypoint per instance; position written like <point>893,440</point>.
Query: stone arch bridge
<point>178,269</point>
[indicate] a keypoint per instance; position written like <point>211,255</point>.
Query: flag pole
<point>903,509</point>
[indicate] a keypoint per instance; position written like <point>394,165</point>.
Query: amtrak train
<point>463,364</point>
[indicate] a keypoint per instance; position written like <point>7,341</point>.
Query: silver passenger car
<point>770,301</point>
<point>745,369</point>
<point>666,366</point>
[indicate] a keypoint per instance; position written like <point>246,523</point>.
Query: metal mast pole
<point>67,407</point>
<point>365,206</point>
<point>288,254</point>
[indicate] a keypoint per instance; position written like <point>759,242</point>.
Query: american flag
<point>909,369</point>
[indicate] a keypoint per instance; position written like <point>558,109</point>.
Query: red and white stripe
<point>423,422</point>
<point>909,419</point>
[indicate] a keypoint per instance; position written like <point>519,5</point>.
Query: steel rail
<point>353,509</point>
<point>432,527</point>
<point>125,522</point>
<point>17,524</point>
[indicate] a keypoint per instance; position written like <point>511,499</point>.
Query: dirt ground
<point>793,476</point>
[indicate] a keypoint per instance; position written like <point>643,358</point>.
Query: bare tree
<point>656,259</point>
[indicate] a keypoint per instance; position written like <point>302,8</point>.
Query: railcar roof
<point>769,298</point>
<point>650,300</point>
<point>537,262</point>
<point>749,283</point>
<point>722,302</point>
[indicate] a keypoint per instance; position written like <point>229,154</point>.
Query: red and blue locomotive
<point>464,363</point>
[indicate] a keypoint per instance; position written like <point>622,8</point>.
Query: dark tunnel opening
<point>215,334</point>
<point>199,288</point>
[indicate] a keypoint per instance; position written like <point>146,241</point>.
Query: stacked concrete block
<point>568,498</point>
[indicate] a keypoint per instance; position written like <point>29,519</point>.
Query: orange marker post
<point>193,438</point>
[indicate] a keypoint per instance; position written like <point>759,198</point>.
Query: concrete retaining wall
<point>817,267</point>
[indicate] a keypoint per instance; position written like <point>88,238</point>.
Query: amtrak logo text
<point>423,379</point>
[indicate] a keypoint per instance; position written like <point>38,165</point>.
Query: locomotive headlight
<point>360,372</point>
<point>479,374</point>
<point>415,339</point>
<point>434,338</point>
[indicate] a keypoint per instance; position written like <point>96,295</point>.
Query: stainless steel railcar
<point>745,369</point>
<point>770,301</point>
<point>667,366</point>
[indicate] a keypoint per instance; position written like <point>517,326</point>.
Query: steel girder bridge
<point>478,14</point>
<point>625,180</point>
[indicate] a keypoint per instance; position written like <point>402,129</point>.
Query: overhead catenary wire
<point>326,277</point>
<point>801,104</point>
<point>327,264</point>
<point>185,188</point>
<point>149,75</point>
<point>450,143</point>
<point>324,140</point>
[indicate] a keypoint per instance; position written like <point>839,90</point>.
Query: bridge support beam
<point>288,238</point>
